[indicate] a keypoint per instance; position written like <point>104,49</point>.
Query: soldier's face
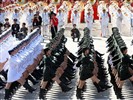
<point>87,52</point>
<point>45,10</point>
<point>125,51</point>
<point>16,11</point>
<point>30,11</point>
<point>119,11</point>
<point>88,13</point>
<point>74,26</point>
<point>59,11</point>
<point>75,12</point>
<point>49,53</point>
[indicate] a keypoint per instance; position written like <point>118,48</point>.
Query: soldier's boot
<point>73,57</point>
<point>84,87</point>
<point>2,82</point>
<point>119,94</point>
<point>4,74</point>
<point>7,94</point>
<point>79,93</point>
<point>50,84</point>
<point>103,85</point>
<point>64,88</point>
<point>42,94</point>
<point>65,80</point>
<point>99,89</point>
<point>32,80</point>
<point>28,87</point>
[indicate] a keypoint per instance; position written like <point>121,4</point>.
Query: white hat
<point>45,8</point>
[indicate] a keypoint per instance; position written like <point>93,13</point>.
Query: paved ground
<point>91,93</point>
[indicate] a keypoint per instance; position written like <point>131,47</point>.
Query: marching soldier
<point>89,65</point>
<point>120,63</point>
<point>59,67</point>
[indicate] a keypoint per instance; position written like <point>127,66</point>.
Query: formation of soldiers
<point>119,62</point>
<point>56,63</point>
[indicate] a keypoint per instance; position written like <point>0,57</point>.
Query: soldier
<point>120,63</point>
<point>90,66</point>
<point>87,71</point>
<point>46,22</point>
<point>50,74</point>
<point>124,70</point>
<point>104,21</point>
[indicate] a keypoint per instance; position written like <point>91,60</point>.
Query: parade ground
<point>91,94</point>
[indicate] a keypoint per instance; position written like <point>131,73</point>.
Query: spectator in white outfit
<point>46,22</point>
<point>119,18</point>
<point>29,19</point>
<point>16,15</point>
<point>89,20</point>
<point>104,20</point>
<point>2,16</point>
<point>75,18</point>
<point>60,16</point>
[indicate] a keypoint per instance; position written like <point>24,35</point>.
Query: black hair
<point>10,52</point>
<point>84,49</point>
<point>24,23</point>
<point>46,50</point>
<point>123,49</point>
<point>6,19</point>
<point>52,13</point>
<point>1,24</point>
